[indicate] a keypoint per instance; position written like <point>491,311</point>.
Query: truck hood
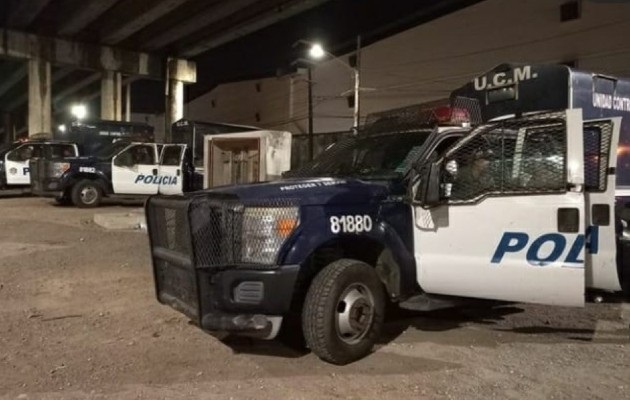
<point>316,191</point>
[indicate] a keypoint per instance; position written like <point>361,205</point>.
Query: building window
<point>570,11</point>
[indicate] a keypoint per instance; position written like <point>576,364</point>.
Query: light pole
<point>317,52</point>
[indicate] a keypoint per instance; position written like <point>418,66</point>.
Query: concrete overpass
<point>55,52</point>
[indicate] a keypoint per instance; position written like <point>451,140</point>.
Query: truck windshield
<point>368,157</point>
<point>111,150</point>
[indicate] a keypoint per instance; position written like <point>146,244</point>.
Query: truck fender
<point>395,263</point>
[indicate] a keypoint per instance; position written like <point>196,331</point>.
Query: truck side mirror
<point>428,193</point>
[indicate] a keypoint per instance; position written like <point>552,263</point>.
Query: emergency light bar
<point>456,111</point>
<point>447,115</point>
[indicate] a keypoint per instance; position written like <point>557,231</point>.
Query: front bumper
<point>234,300</point>
<point>197,248</point>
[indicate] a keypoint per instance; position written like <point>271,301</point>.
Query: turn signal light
<point>285,226</point>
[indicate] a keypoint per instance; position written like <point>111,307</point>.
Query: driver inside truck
<point>474,177</point>
<point>141,155</point>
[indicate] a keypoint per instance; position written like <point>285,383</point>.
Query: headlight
<point>59,168</point>
<point>264,231</point>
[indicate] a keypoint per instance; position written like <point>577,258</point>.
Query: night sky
<point>336,24</point>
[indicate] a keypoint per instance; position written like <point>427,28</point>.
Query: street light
<point>79,111</point>
<point>318,52</point>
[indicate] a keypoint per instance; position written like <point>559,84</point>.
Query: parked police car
<point>122,169</point>
<point>517,207</point>
<point>14,159</point>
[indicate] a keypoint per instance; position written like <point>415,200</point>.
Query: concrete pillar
<point>128,102</point>
<point>111,96</point>
<point>39,97</point>
<point>7,128</point>
<point>175,104</point>
<point>177,73</point>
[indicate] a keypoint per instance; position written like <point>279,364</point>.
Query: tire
<point>330,330</point>
<point>625,282</point>
<point>87,194</point>
<point>63,200</point>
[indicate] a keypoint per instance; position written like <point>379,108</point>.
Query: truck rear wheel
<point>343,312</point>
<point>87,193</point>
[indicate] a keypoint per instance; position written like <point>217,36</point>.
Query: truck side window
<point>171,155</point>
<point>24,153</point>
<point>597,143</point>
<point>61,151</point>
<point>444,145</point>
<point>542,162</point>
<point>473,176</point>
<point>142,155</point>
<point>510,160</point>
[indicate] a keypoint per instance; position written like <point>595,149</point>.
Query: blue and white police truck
<point>515,192</point>
<point>123,170</point>
<point>14,160</point>
<point>69,140</point>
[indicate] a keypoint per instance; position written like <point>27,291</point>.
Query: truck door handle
<point>179,172</point>
<point>155,172</point>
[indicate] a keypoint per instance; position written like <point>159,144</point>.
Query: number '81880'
<point>351,224</point>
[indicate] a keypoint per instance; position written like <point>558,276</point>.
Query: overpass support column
<point>39,97</point>
<point>111,96</point>
<point>179,72</point>
<point>175,106</point>
<point>7,128</point>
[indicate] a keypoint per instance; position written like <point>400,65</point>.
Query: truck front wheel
<point>343,312</point>
<point>63,200</point>
<point>87,193</point>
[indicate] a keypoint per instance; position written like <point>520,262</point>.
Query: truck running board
<point>426,302</point>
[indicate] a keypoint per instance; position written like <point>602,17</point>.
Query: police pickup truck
<point>122,169</point>
<point>70,140</point>
<point>515,204</point>
<point>14,160</point>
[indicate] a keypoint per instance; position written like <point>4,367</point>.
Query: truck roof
<point>514,89</point>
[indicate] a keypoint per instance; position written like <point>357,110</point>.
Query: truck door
<point>508,222</point>
<point>599,186</point>
<point>16,164</point>
<point>135,170</point>
<point>171,169</point>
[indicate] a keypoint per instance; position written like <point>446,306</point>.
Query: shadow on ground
<point>482,323</point>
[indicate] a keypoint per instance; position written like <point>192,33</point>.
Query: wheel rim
<point>355,313</point>
<point>89,194</point>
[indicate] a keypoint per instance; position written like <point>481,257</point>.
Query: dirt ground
<point>78,319</point>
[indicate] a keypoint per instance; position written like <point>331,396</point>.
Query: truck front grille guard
<point>176,282</point>
<point>191,235</point>
<point>197,231</point>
